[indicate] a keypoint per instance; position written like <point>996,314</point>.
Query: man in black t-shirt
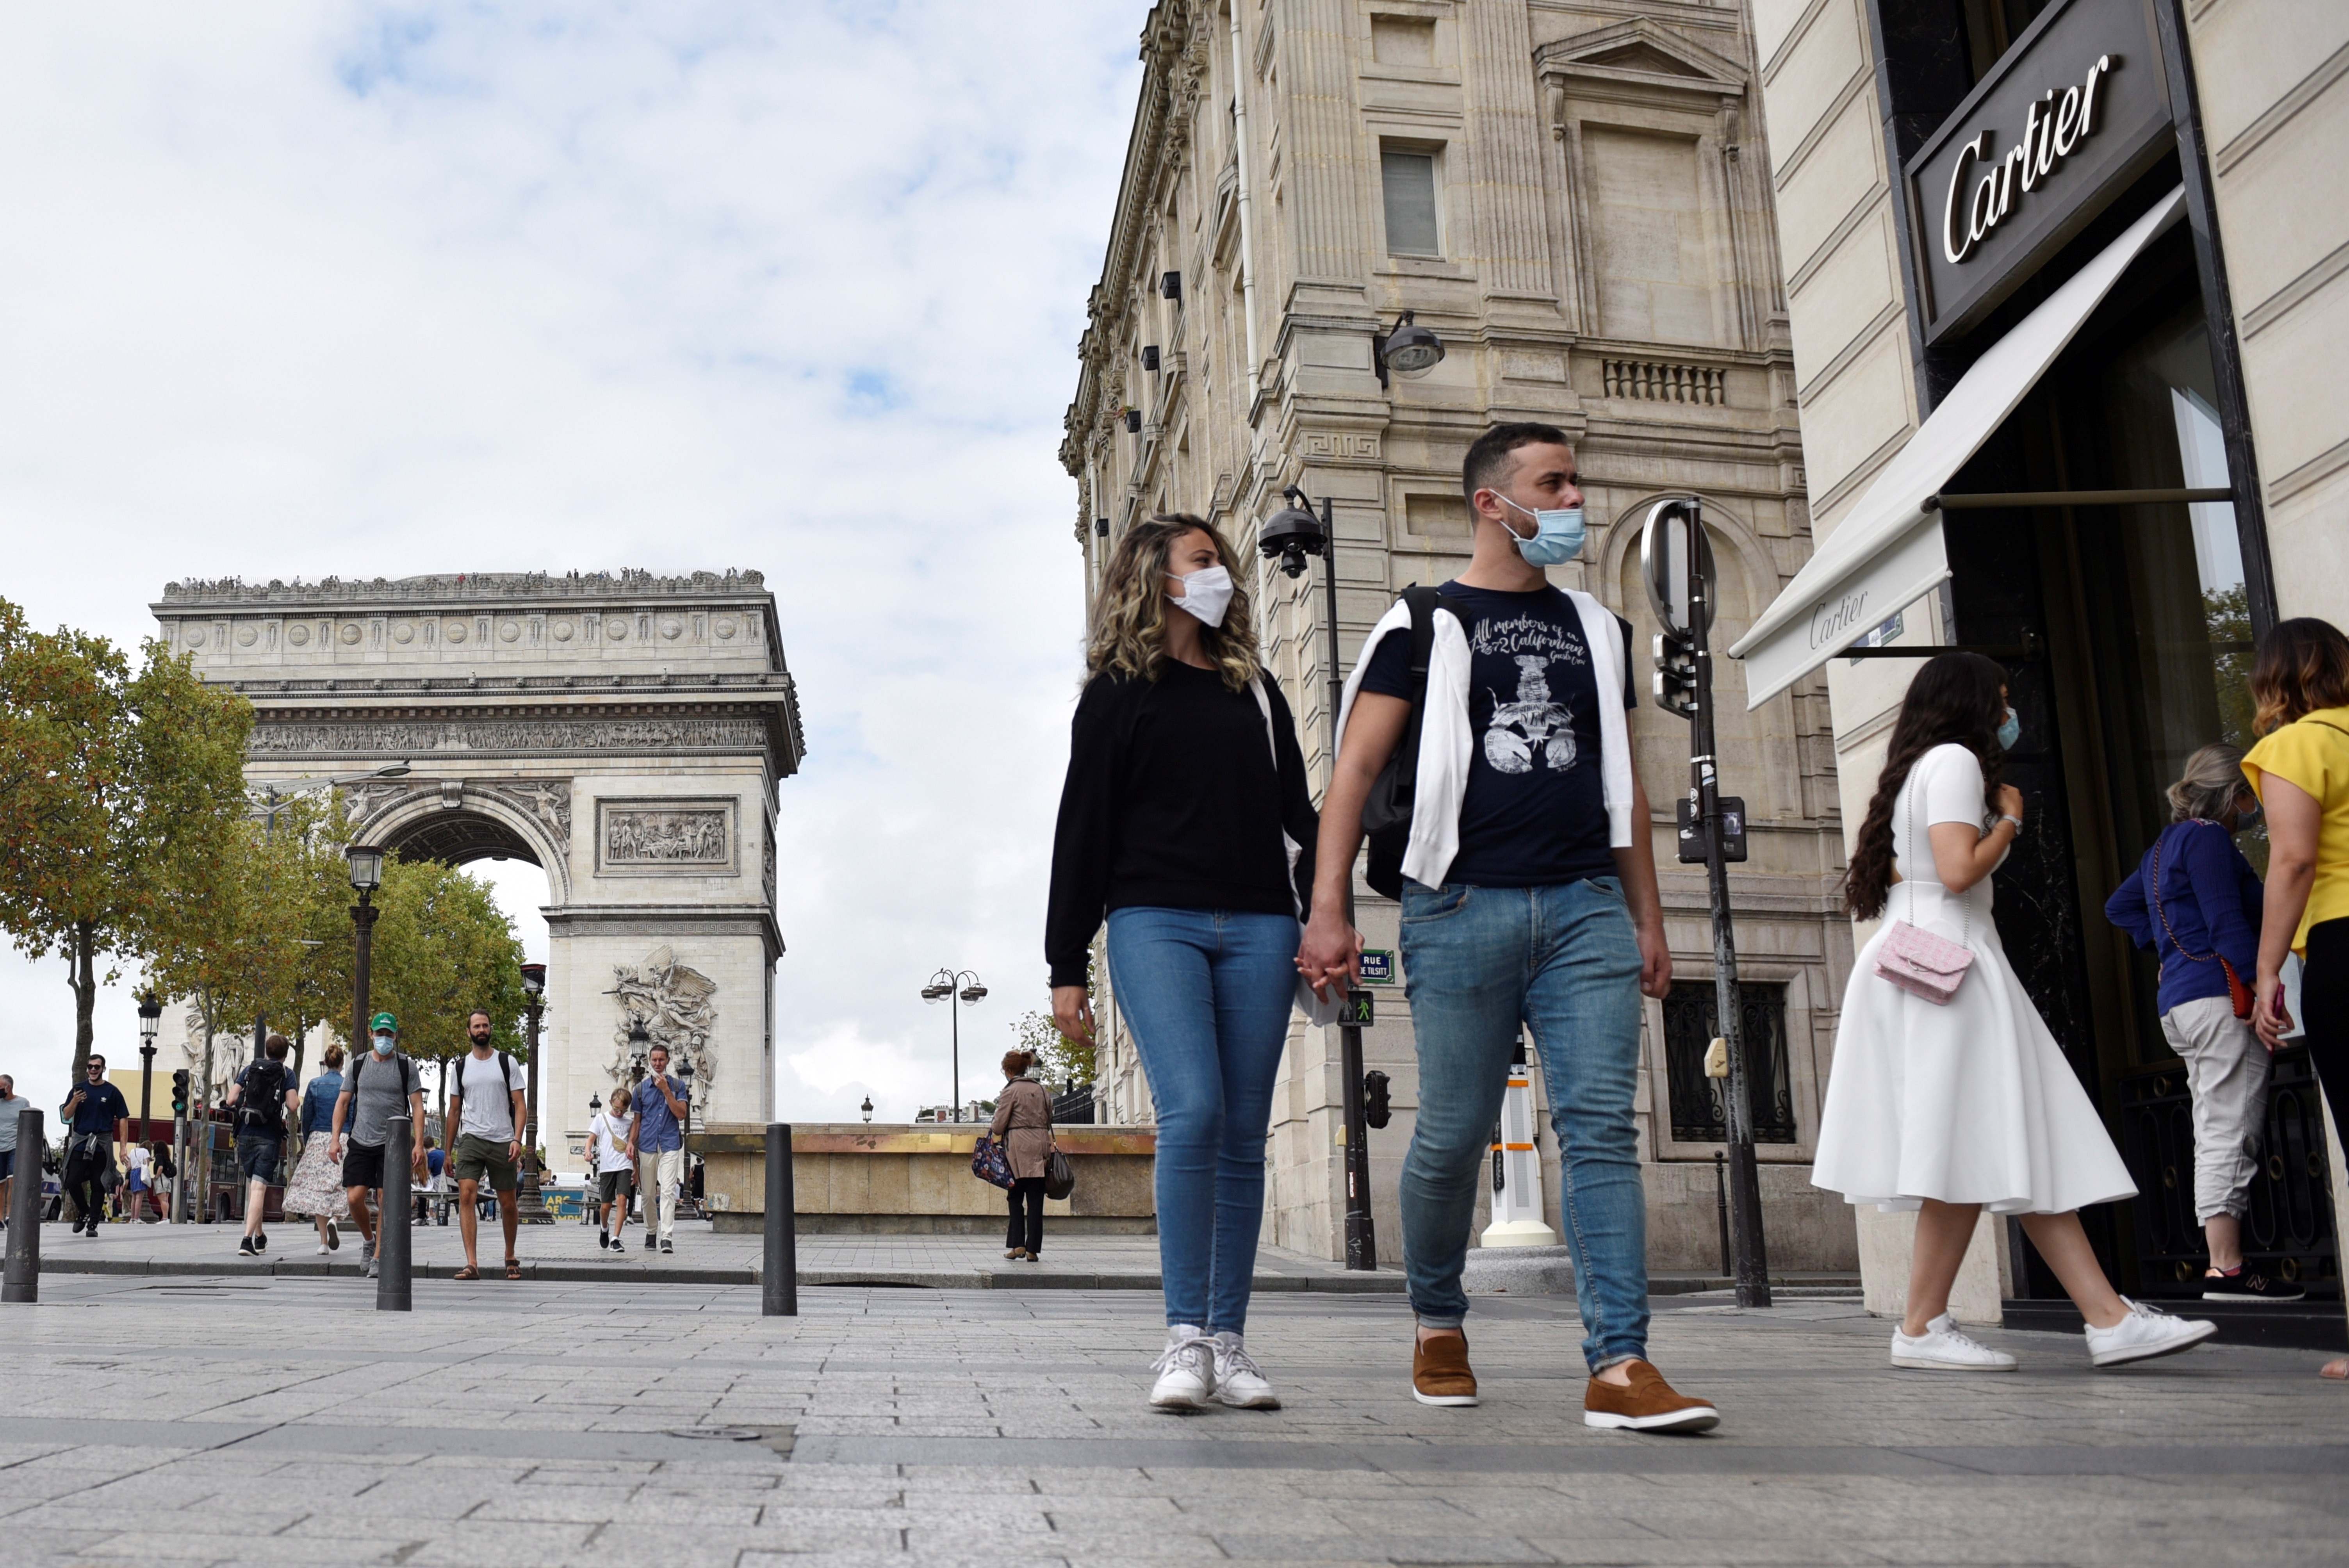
<point>95,1121</point>
<point>1528,900</point>
<point>259,1103</point>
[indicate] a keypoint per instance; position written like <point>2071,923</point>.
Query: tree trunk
<point>80,973</point>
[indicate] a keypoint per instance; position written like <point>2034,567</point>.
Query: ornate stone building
<point>1573,195</point>
<point>627,734</point>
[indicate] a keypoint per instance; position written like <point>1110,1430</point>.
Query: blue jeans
<point>1564,960</point>
<point>1207,994</point>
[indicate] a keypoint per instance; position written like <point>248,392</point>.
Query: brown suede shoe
<point>1649,1404</point>
<point>1439,1371</point>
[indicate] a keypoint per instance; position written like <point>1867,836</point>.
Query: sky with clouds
<point>362,289</point>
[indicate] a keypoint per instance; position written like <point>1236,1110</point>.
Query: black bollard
<point>23,1274</point>
<point>779,1283</point>
<point>394,1237</point>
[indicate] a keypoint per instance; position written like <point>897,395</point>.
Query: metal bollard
<point>24,1274</point>
<point>394,1236</point>
<point>778,1281</point>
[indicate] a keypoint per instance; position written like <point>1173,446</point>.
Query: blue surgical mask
<point>383,1044</point>
<point>2010,732</point>
<point>1557,537</point>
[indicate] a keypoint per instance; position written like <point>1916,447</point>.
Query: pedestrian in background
<point>612,1154</point>
<point>660,1106</point>
<point>1946,1107</point>
<point>316,1188</point>
<point>491,1116</point>
<point>1186,821</point>
<point>381,1085</point>
<point>2300,770</point>
<point>262,1098</point>
<point>2194,900</point>
<point>1023,1125</point>
<point>96,1119</point>
<point>139,1185</point>
<point>11,1103</point>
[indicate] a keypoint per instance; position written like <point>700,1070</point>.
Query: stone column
<point>1504,144</point>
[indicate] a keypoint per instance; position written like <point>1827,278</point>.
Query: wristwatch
<point>2004,817</point>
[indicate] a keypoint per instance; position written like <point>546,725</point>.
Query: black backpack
<point>259,1110</point>
<point>1386,813</point>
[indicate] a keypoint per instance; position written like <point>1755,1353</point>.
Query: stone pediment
<point>1639,54</point>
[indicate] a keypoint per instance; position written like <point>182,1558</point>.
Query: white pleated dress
<point>1970,1102</point>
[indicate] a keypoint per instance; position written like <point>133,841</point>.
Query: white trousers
<point>2227,1069</point>
<point>657,1175</point>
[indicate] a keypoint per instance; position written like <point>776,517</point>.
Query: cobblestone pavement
<point>258,1421</point>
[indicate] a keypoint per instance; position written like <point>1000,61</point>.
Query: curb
<point>1384,1282</point>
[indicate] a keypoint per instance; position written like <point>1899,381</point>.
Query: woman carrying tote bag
<point>1186,821</point>
<point>1949,1095</point>
<point>1023,1124</point>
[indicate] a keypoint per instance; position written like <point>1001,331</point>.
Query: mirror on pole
<point>1664,565</point>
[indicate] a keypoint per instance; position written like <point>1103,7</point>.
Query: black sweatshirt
<point>1173,801</point>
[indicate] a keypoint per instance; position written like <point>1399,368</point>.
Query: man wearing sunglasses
<point>96,1119</point>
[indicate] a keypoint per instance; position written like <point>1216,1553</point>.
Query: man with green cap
<point>379,1078</point>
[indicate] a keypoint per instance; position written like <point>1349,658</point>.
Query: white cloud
<point>369,289</point>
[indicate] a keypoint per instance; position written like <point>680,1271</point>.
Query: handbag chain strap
<point>1966,914</point>
<point>2163,915</point>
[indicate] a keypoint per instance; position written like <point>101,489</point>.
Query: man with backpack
<point>1516,836</point>
<point>489,1114</point>
<point>258,1101</point>
<point>381,1080</point>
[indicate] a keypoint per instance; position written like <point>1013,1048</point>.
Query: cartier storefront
<point>2076,492</point>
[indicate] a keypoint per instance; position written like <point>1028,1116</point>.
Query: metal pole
<point>533,1199</point>
<point>146,1091</point>
<point>363,915</point>
<point>1362,1238</point>
<point>395,1226</point>
<point>953,1028</point>
<point>180,1168</point>
<point>1744,1180</point>
<point>778,1281</point>
<point>23,1278</point>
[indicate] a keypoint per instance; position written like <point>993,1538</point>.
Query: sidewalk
<point>245,1420</point>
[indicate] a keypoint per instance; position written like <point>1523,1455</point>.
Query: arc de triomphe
<point>626,733</point>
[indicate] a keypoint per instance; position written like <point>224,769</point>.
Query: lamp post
<point>271,795</point>
<point>150,1019</point>
<point>867,1107</point>
<point>684,1137</point>
<point>956,989</point>
<point>533,1202</point>
<point>366,875</point>
<point>587,1192</point>
<point>1291,534</point>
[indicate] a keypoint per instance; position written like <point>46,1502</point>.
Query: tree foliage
<point>122,797</point>
<point>1060,1059</point>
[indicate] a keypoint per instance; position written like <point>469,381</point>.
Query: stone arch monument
<point>626,733</point>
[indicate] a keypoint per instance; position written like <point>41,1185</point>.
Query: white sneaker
<point>1238,1380</point>
<point>2147,1332</point>
<point>322,1249</point>
<point>1944,1347</point>
<point>1187,1370</point>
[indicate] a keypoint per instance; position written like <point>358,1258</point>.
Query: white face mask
<point>1205,593</point>
<point>383,1044</point>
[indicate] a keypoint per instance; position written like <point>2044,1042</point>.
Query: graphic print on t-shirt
<point>1536,718</point>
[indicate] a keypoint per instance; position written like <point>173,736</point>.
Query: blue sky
<point>361,289</point>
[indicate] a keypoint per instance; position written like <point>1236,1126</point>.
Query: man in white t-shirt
<point>488,1088</point>
<point>611,1144</point>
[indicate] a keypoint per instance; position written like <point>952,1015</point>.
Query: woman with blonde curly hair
<point>1186,822</point>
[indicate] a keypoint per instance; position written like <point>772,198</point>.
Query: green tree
<point>1061,1058</point>
<point>442,948</point>
<point>120,793</point>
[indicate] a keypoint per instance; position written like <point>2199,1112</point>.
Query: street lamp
<point>273,790</point>
<point>366,875</point>
<point>1410,351</point>
<point>1291,534</point>
<point>533,1202</point>
<point>867,1107</point>
<point>957,988</point>
<point>150,1018</point>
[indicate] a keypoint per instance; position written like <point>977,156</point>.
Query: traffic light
<point>1675,679</point>
<point>1377,1109</point>
<point>180,1092</point>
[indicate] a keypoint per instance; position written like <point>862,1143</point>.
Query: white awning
<point>1886,553</point>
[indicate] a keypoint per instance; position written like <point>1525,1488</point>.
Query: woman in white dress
<point>1948,1108</point>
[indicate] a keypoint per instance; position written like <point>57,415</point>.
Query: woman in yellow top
<point>2300,684</point>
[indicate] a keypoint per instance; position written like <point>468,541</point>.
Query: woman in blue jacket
<point>2195,902</point>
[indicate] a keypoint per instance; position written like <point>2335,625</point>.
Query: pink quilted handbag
<point>1913,958</point>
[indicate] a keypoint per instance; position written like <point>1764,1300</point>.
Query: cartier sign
<point>2073,113</point>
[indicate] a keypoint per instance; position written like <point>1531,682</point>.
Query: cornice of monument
<point>461,588</point>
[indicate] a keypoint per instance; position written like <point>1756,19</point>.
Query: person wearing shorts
<point>11,1103</point>
<point>487,1087</point>
<point>261,1097</point>
<point>611,1144</point>
<point>382,1081</point>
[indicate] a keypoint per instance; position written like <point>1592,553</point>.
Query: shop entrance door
<point>2142,640</point>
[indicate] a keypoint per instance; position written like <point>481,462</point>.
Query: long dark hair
<point>1953,699</point>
